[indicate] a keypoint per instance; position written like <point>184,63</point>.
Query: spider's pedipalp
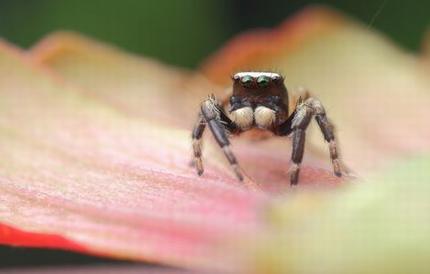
<point>243,117</point>
<point>264,117</point>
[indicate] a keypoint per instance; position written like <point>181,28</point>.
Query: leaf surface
<point>77,168</point>
<point>95,142</point>
<point>380,225</point>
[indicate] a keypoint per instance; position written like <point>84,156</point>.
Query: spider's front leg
<point>197,135</point>
<point>212,114</point>
<point>302,116</point>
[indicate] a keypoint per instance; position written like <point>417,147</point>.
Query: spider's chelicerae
<point>260,100</point>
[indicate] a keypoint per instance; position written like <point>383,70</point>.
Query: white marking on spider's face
<point>256,74</point>
<point>264,117</point>
<point>243,117</point>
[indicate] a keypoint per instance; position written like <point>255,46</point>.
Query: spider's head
<point>258,84</point>
<point>258,88</point>
<point>258,92</point>
<point>253,80</point>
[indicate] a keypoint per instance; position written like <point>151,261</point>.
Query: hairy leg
<point>212,115</point>
<point>297,124</point>
<point>328,132</point>
<point>197,135</point>
<point>300,122</point>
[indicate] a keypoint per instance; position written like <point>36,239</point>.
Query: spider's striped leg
<point>300,121</point>
<point>197,134</point>
<point>302,117</point>
<point>328,132</point>
<point>219,124</point>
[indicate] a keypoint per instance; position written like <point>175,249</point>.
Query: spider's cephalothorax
<point>260,100</point>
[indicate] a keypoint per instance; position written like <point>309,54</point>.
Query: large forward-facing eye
<point>246,80</point>
<point>263,81</point>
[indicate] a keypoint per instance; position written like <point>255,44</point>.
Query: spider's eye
<point>263,81</point>
<point>246,80</point>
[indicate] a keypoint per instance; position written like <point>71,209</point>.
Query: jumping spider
<point>260,100</point>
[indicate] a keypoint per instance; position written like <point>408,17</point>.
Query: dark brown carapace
<point>260,100</point>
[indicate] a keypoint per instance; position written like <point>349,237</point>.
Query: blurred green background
<point>183,32</point>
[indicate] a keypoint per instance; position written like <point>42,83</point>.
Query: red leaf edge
<point>20,238</point>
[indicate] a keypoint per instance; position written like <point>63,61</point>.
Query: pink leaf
<point>95,143</point>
